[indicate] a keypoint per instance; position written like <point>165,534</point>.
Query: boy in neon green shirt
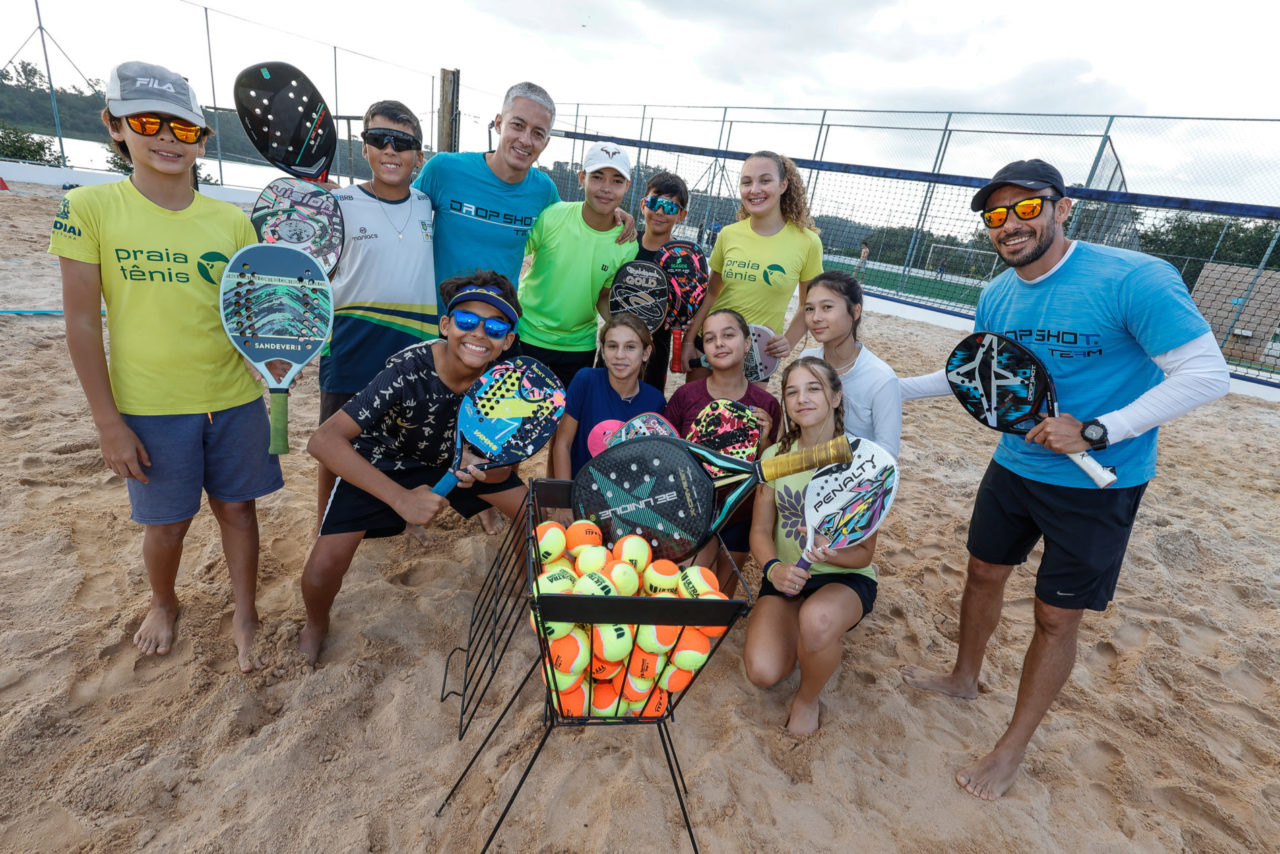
<point>575,255</point>
<point>177,411</point>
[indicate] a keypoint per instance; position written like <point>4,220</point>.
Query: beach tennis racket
<point>687,273</point>
<point>640,288</point>
<point>303,215</point>
<point>658,487</point>
<point>286,119</point>
<point>599,435</point>
<point>727,427</point>
<point>276,306</point>
<point>847,502</point>
<point>1006,387</point>
<point>507,415</point>
<point>644,424</point>
<point>758,365</point>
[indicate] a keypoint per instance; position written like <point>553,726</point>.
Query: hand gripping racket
<point>658,487</point>
<point>687,275</point>
<point>644,424</point>
<point>1006,387</point>
<point>507,415</point>
<point>276,306</point>
<point>303,215</point>
<point>640,288</point>
<point>847,502</point>
<point>286,119</point>
<point>758,366</point>
<point>727,427</point>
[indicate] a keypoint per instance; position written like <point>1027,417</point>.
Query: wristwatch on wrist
<point>1095,433</point>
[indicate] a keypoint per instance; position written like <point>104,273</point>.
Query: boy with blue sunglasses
<point>394,440</point>
<point>665,205</point>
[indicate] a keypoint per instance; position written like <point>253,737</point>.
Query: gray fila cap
<point>140,87</point>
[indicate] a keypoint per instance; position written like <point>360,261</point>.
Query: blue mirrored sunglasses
<point>465,321</point>
<point>661,205</point>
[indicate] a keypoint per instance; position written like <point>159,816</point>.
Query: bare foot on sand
<point>310,639</point>
<point>244,628</point>
<point>155,635</point>
<point>419,533</point>
<point>804,717</point>
<point>991,776</point>
<point>943,683</point>
<point>492,520</point>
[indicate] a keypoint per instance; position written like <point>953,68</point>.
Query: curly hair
<point>794,205</point>
<point>824,372</point>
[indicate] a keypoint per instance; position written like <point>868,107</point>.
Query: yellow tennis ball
<point>674,679</point>
<point>656,705</point>
<point>623,576</point>
<point>558,681</point>
<point>635,550</point>
<point>656,639</point>
<point>551,540</point>
<point>713,631</point>
<point>559,580</point>
<point>592,559</point>
<point>594,584</point>
<point>553,630</point>
<point>562,562</point>
<point>691,651</point>
<point>634,688</point>
<point>661,576</point>
<point>696,580</point>
<point>581,534</point>
<point>605,702</point>
<point>612,641</point>
<point>573,704</point>
<point>604,670</point>
<point>572,653</point>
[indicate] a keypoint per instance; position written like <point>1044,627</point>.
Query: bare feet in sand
<point>991,776</point>
<point>309,641</point>
<point>155,635</point>
<point>419,533</point>
<point>804,717</point>
<point>943,683</point>
<point>244,628</point>
<point>492,520</point>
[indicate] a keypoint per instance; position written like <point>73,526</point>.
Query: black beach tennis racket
<point>276,307</point>
<point>303,215</point>
<point>640,288</point>
<point>658,487</point>
<point>507,415</point>
<point>847,502</point>
<point>687,275</point>
<point>286,119</point>
<point>1006,387</point>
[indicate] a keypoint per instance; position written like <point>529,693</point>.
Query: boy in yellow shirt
<point>176,408</point>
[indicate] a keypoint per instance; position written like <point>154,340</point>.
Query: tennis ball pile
<point>617,669</point>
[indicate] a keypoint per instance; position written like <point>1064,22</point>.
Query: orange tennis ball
<point>573,704</point>
<point>634,688</point>
<point>691,651</point>
<point>656,706</point>
<point>657,639</point>
<point>623,577</point>
<point>604,670</point>
<point>635,550</point>
<point>551,540</point>
<point>661,576</point>
<point>605,702</point>
<point>674,679</point>
<point>592,559</point>
<point>558,681</point>
<point>572,653</point>
<point>713,631</point>
<point>646,665</point>
<point>581,534</point>
<point>696,580</point>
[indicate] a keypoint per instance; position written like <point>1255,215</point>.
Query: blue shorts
<point>1086,532</point>
<point>222,453</point>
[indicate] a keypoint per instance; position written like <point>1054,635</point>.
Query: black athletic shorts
<point>563,363</point>
<point>331,402</point>
<point>1086,532</point>
<point>352,509</point>
<point>865,587</point>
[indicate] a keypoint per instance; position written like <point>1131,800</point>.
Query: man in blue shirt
<point>1128,351</point>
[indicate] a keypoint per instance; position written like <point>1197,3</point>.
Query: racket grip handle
<point>677,344</point>
<point>446,484</point>
<point>1098,473</point>
<point>837,450</point>
<point>279,421</point>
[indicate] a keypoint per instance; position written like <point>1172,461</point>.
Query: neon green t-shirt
<point>572,263</point>
<point>761,273</point>
<point>160,270</point>
<point>788,539</point>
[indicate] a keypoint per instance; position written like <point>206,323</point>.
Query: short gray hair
<point>534,93</point>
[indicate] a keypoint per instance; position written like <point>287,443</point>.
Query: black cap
<point>1028,174</point>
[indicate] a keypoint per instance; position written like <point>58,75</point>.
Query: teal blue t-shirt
<point>1096,322</point>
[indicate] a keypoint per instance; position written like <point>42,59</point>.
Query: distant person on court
<point>178,411</point>
<point>666,204</point>
<point>1128,351</point>
<point>862,260</point>
<point>575,253</point>
<point>384,290</point>
<point>759,261</point>
<point>394,440</point>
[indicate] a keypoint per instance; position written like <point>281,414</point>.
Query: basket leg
<point>677,778</point>
<point>493,729</point>
<point>546,732</point>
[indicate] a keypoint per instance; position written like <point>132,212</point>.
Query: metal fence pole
<point>914,244</point>
<point>48,73</point>
<point>1253,283</point>
<point>213,89</point>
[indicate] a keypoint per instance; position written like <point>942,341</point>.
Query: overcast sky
<point>1087,56</point>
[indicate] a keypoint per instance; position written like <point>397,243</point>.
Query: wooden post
<point>450,117</point>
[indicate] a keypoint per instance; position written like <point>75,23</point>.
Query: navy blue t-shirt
<point>591,400</point>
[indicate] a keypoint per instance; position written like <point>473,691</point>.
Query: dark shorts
<point>865,587</point>
<point>352,509</point>
<point>736,536</point>
<point>1086,532</point>
<point>331,402</point>
<point>655,373</point>
<point>222,453</point>
<point>563,363</point>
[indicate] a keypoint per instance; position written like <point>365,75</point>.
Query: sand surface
<point>1166,738</point>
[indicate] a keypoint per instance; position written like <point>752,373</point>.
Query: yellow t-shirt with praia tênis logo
<point>761,273</point>
<point>160,269</point>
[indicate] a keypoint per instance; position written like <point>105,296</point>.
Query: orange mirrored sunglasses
<point>149,124</point>
<point>1025,209</point>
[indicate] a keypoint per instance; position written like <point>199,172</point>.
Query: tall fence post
<point>1253,283</point>
<point>818,146</point>
<point>213,90</point>
<point>1074,225</point>
<point>631,197</point>
<point>449,114</point>
<point>914,244</point>
<point>48,73</point>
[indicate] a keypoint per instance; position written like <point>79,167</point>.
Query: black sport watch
<point>1095,433</point>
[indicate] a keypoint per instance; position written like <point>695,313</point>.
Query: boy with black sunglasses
<point>384,290</point>
<point>665,205</point>
<point>394,440</point>
<point>177,410</point>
